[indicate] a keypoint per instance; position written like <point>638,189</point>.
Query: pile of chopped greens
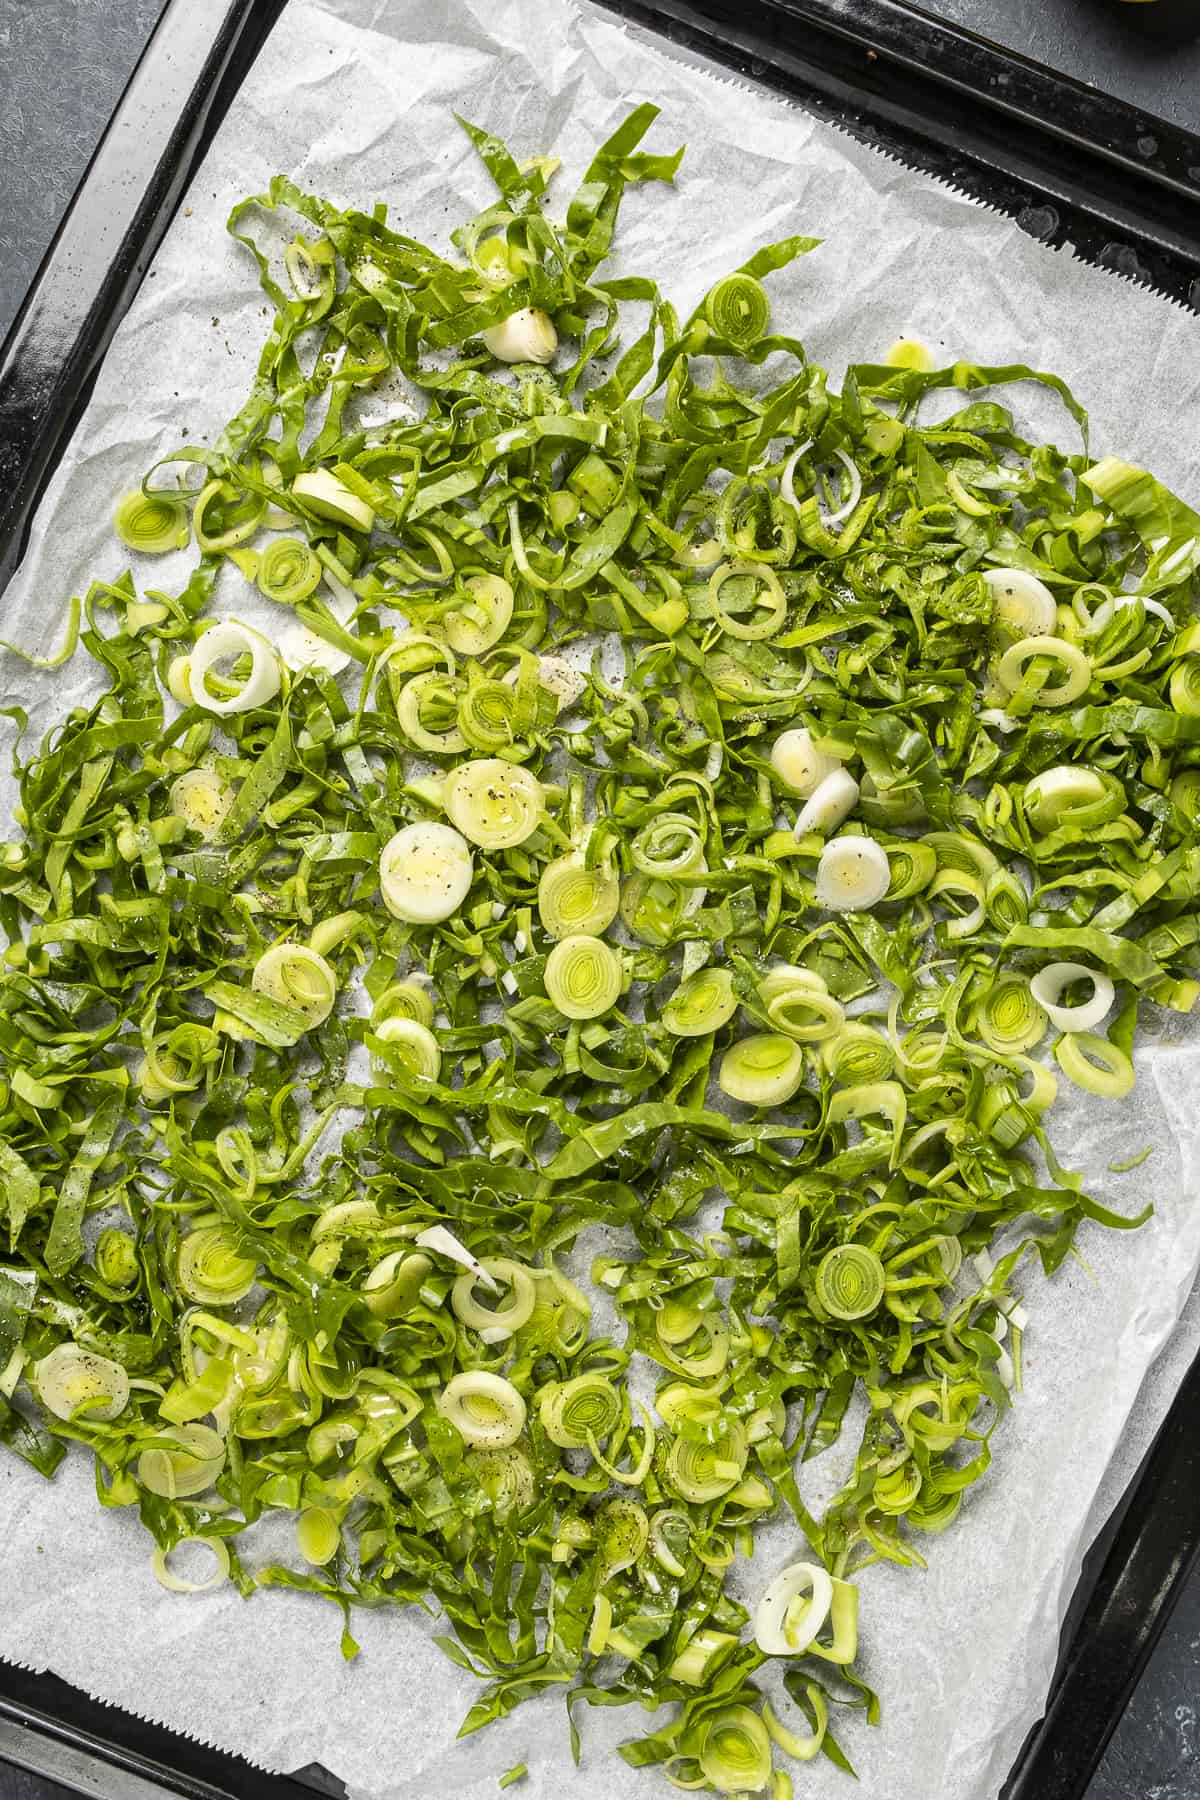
<point>673,797</point>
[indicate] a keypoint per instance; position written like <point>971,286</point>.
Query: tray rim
<point>1121,1608</point>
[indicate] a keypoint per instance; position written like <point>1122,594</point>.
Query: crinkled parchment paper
<point>354,99</point>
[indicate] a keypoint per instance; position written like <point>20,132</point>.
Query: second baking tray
<point>1070,165</point>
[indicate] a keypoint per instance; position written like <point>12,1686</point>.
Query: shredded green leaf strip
<point>656,787</point>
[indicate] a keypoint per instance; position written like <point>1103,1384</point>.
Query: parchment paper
<point>354,98</point>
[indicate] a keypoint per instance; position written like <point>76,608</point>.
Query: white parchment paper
<point>354,98</point>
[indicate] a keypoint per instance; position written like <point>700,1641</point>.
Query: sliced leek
<point>410,1044</point>
<point>408,999</point>
<point>1071,795</point>
<point>485,1409</point>
<point>735,1752</point>
<point>762,1070</point>
<point>793,1610</point>
<point>853,874</point>
<point>78,1384</point>
<point>232,643</point>
<point>1094,1064</point>
<point>288,571</point>
<point>318,1535</point>
<point>573,898</point>
<point>507,1314</point>
<point>699,1470</point>
<point>832,801</point>
<point>301,648</point>
<point>799,764</point>
<point>797,1002</point>
<point>175,1583</point>
<point>211,1269</point>
<point>482,615</point>
<point>738,309</point>
<point>362,966</point>
<point>701,1004</point>
<point>494,804</point>
<point>586,1409</point>
<point>748,600</point>
<point>443,1242</point>
<point>298,978</point>
<point>560,677</point>
<point>1051,983</point>
<point>1010,1018</point>
<point>850,1282</point>
<point>425,872</point>
<point>584,976</point>
<point>151,524</point>
<point>394,1284</point>
<point>526,336</point>
<point>179,680</point>
<point>1074,679</point>
<point>181,1461</point>
<point>856,1053</point>
<point>201,797</point>
<point>1022,602</point>
<point>326,494</point>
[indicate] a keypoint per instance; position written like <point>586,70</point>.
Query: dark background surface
<point>63,64</point>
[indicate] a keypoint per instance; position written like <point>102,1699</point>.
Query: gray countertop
<point>1098,41</point>
<point>62,66</point>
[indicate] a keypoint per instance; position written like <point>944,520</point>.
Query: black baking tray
<point>1070,165</point>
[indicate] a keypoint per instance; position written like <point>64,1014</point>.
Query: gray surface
<point>1101,42</point>
<point>1155,1754</point>
<point>15,1784</point>
<point>62,66</point>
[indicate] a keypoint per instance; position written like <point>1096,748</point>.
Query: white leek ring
<point>69,1378</point>
<point>527,336</point>
<point>1077,669</point>
<point>296,976</point>
<point>414,1044</point>
<point>854,494</point>
<point>201,798</point>
<point>831,801</point>
<point>444,1243</point>
<point>1049,984</point>
<point>798,763</point>
<point>484,1408</point>
<point>230,640</point>
<point>327,495</point>
<point>1022,602</point>
<point>425,872</point>
<point>160,1562</point>
<point>495,804</point>
<point>1106,609</point>
<point>853,874</point>
<point>788,473</point>
<point>781,1628</point>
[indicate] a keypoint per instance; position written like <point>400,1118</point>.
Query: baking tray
<point>1069,164</point>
